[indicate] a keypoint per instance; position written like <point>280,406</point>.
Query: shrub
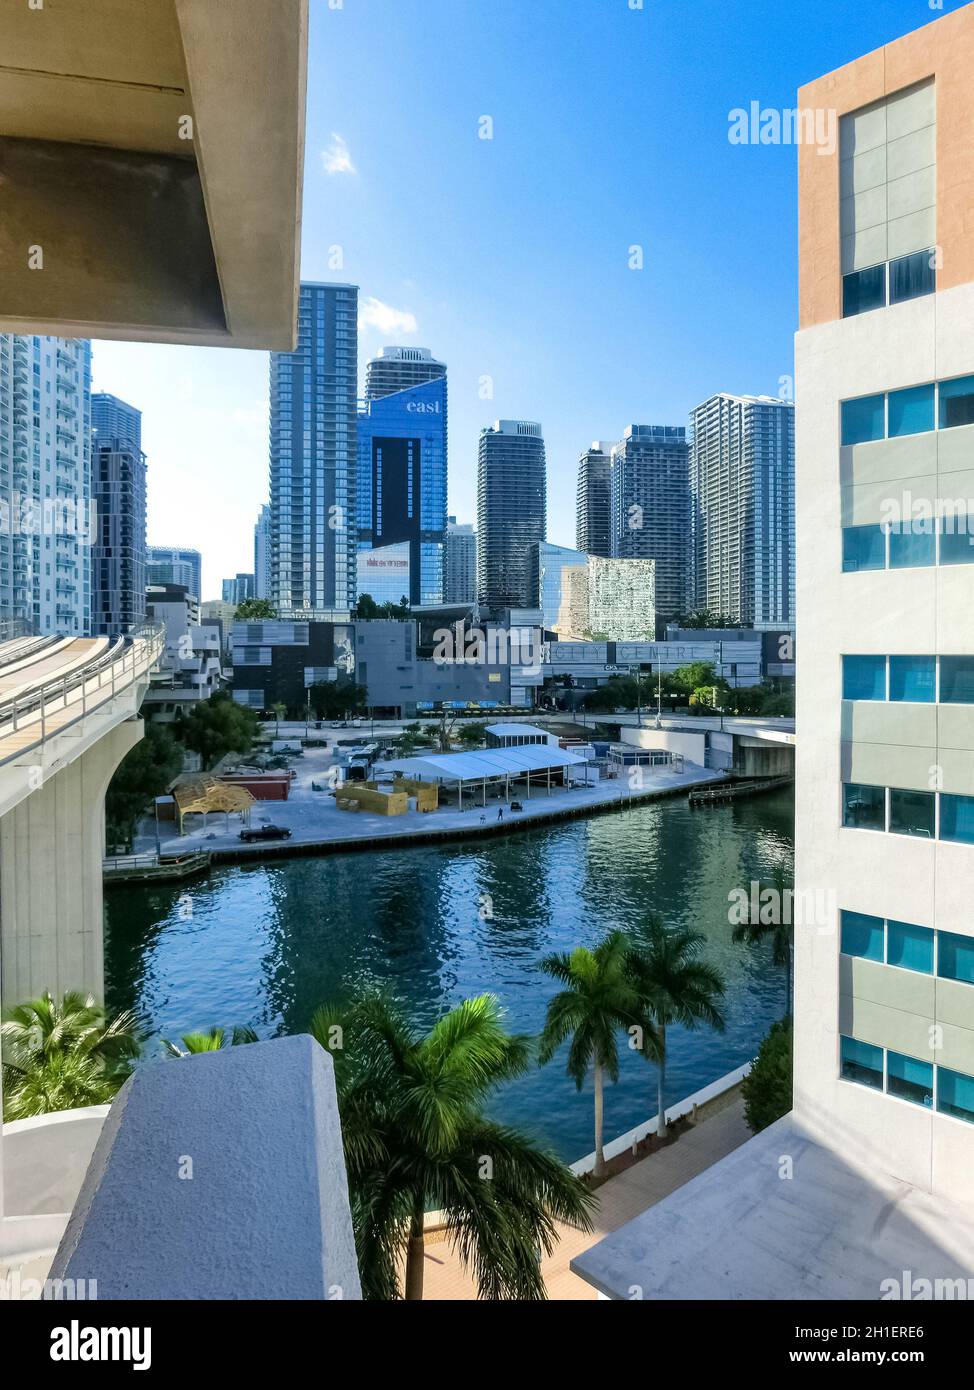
<point>767,1088</point>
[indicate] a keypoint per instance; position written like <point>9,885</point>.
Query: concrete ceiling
<point>145,234</point>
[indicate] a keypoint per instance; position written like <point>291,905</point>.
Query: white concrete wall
<point>51,849</point>
<point>905,612</point>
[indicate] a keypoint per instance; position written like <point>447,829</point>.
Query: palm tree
<point>416,1139</point>
<point>598,1000</point>
<point>63,1054</point>
<point>779,931</point>
<point>674,986</point>
<point>210,1042</point>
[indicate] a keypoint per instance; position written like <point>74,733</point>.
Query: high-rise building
<point>118,488</point>
<point>45,478</point>
<point>262,553</point>
<point>313,455</point>
<point>742,486</point>
<point>398,368</point>
<point>402,475</point>
<point>460,562</point>
<point>240,587</point>
<point>593,531</point>
<point>589,598</point>
<point>175,565</point>
<point>511,511</point>
<point>865,1190</point>
<point>650,508</point>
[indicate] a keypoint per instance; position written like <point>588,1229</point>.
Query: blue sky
<point>509,256</point>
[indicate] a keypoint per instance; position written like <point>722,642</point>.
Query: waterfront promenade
<point>316,822</point>
<point>718,1131</point>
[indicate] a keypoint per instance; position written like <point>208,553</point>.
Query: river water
<point>263,945</point>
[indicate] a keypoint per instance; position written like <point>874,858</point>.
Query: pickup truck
<point>265,832</point>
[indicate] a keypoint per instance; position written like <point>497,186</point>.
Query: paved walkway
<point>313,818</point>
<point>620,1199</point>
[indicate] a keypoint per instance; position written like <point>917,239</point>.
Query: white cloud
<point>257,415</point>
<point>336,158</point>
<point>372,313</point>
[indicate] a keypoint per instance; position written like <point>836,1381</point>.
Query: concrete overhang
<point>788,1216</point>
<point>151,161</point>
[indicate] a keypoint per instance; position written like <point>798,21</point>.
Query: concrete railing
<point>64,700</point>
<point>217,1176</point>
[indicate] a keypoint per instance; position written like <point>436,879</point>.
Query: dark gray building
<point>650,509</point>
<point>278,661</point>
<point>313,455</point>
<point>403,677</point>
<point>511,511</point>
<point>118,488</point>
<point>592,504</point>
<point>460,562</point>
<point>398,368</point>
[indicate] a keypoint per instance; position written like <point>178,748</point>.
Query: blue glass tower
<point>402,477</point>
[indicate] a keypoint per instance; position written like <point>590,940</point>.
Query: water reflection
<point>264,945</point>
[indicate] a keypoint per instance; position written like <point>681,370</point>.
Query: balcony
<point>266,1217</point>
<point>122,157</point>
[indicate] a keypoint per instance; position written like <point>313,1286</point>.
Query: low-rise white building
<point>190,668</point>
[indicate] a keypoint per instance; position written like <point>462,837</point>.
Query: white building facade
<point>45,482</point>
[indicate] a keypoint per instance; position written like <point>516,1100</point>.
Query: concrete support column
<point>51,849</point>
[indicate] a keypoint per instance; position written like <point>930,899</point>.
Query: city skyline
<point>416,287</point>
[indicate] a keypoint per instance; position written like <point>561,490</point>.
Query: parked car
<point>265,832</point>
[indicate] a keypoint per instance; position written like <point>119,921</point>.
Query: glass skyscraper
<point>398,368</point>
<point>402,467</point>
<point>118,487</point>
<point>742,480</point>
<point>45,482</point>
<point>592,506</point>
<point>175,565</point>
<point>313,455</point>
<point>650,508</point>
<point>511,511</point>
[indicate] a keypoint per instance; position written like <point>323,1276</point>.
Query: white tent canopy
<point>490,763</point>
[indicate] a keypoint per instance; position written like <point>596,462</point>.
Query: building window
<point>955,1094</point>
<point>910,947</point>
<point>955,957</point>
<point>913,679</point>
<point>957,402</point>
<point>912,544</point>
<point>864,419</point>
<point>909,1079</point>
<point>863,548</point>
<point>912,411</point>
<point>864,678</point>
<point>957,680</point>
<point>912,276</point>
<point>912,812</point>
<point>957,818</point>
<point>863,290</point>
<point>956,540</point>
<point>862,1062</point>
<point>863,807</point>
<point>862,936</point>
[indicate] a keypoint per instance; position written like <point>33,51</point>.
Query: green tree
<point>767,1088</point>
<point>472,734</point>
<point>146,771</point>
<point>63,1054</point>
<point>689,678</point>
<point>705,618</point>
<point>416,1138</point>
<point>218,726</point>
<point>408,740</point>
<point>674,986</point>
<point>366,608</point>
<point>211,1041</point>
<point>598,1000</point>
<point>774,923</point>
<point>338,699</point>
<point>253,609</point>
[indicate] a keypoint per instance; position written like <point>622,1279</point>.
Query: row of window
<point>948,1092</point>
<point>908,544</point>
<point>915,410</point>
<point>899,811</point>
<point>947,680</point>
<point>893,282</point>
<point>924,949</point>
